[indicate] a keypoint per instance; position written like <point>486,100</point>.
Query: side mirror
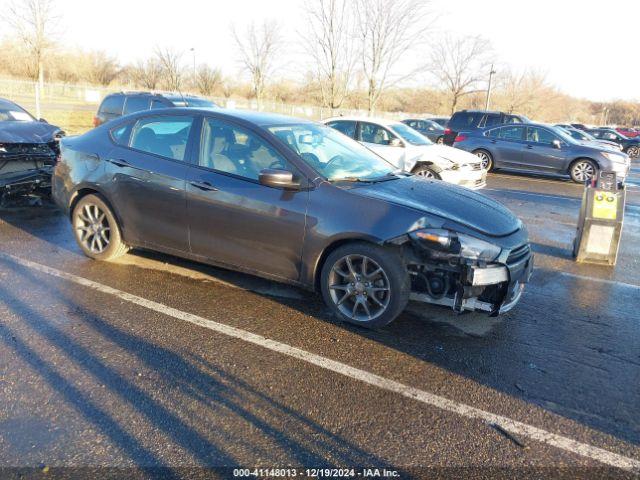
<point>556,144</point>
<point>42,120</point>
<point>396,142</point>
<point>276,178</point>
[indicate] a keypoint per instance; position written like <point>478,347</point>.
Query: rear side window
<point>121,134</point>
<point>112,105</point>
<point>464,120</point>
<point>344,126</point>
<point>491,121</point>
<point>136,104</point>
<point>166,136</point>
<point>510,133</point>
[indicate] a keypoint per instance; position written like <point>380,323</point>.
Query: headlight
<point>614,157</point>
<point>457,243</point>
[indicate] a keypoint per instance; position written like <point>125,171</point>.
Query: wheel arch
<point>582,157</point>
<point>427,163</point>
<point>82,192</point>
<point>334,245</point>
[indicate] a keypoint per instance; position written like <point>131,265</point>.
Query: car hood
<point>440,154</point>
<point>27,132</point>
<point>457,204</point>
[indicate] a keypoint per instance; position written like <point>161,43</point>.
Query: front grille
<point>519,253</point>
<point>476,166</point>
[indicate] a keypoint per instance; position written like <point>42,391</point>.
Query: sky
<point>586,48</point>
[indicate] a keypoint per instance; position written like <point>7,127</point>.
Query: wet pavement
<point>126,371</point>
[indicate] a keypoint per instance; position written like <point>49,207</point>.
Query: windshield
<point>435,125</point>
<point>14,114</point>
<point>332,154</point>
<point>409,134</point>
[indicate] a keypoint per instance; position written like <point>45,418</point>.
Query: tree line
<point>361,54</point>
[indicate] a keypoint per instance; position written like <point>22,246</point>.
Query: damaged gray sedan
<point>293,201</point>
<point>28,151</point>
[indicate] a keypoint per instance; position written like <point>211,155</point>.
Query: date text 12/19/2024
<point>315,473</point>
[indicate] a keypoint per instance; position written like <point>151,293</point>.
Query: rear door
<point>540,153</point>
<point>378,139</point>
<point>148,169</point>
<point>507,145</point>
<point>233,219</point>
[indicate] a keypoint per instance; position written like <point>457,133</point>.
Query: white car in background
<point>409,150</point>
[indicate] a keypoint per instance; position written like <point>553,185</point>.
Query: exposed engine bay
<point>25,168</point>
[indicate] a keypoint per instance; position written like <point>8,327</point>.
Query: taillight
<point>96,121</point>
<point>447,131</point>
<point>460,138</point>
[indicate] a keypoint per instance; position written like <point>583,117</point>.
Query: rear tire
<point>365,284</point>
<point>583,170</point>
<point>425,171</point>
<point>96,229</point>
<point>487,159</point>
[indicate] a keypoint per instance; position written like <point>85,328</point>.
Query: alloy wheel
<point>359,287</point>
<point>93,228</point>
<point>426,173</point>
<point>633,152</point>
<point>583,171</point>
<point>486,161</point>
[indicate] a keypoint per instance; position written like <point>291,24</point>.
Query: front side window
<point>540,135</point>
<point>372,133</point>
<point>166,136</point>
<point>611,136</point>
<point>333,155</point>
<point>510,133</point>
<point>231,149</point>
<point>136,104</point>
<point>344,126</point>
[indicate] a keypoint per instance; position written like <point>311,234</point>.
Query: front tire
<point>365,284</point>
<point>486,158</point>
<point>633,152</point>
<point>96,230</point>
<point>583,170</point>
<point>425,171</point>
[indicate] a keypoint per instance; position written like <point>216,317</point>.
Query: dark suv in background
<point>118,104</point>
<point>630,146</point>
<point>468,120</point>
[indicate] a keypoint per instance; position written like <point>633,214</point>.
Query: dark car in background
<point>628,132</point>
<point>542,149</point>
<point>123,103</point>
<point>467,120</point>
<point>28,151</point>
<point>631,146</point>
<point>584,136</point>
<point>430,129</point>
<point>294,201</point>
<point>442,121</point>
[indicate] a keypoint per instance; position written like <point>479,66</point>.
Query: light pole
<point>193,52</point>
<point>491,72</point>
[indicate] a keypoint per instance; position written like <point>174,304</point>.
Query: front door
<point>148,179</point>
<point>540,152</point>
<point>233,219</point>
<point>377,138</point>
<point>507,143</point>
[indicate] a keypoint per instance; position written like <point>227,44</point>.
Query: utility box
<point>600,222</point>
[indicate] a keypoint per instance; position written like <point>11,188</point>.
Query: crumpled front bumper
<point>465,177</point>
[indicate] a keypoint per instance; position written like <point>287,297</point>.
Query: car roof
<point>356,118</point>
<point>262,119</point>
<point>7,103</point>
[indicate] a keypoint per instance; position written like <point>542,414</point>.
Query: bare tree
<point>170,62</point>
<point>523,92</point>
<point>460,64</point>
<point>147,73</point>
<point>328,42</point>
<point>387,30</point>
<point>207,79</point>
<point>258,51</point>
<point>33,21</point>
<point>103,69</point>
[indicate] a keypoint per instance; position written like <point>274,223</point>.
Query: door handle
<point>529,147</point>
<point>494,141</point>
<point>119,162</point>
<point>206,186</point>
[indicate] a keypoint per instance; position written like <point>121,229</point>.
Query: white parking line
<point>601,280</point>
<point>513,426</point>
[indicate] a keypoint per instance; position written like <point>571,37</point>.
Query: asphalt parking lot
<point>158,362</point>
